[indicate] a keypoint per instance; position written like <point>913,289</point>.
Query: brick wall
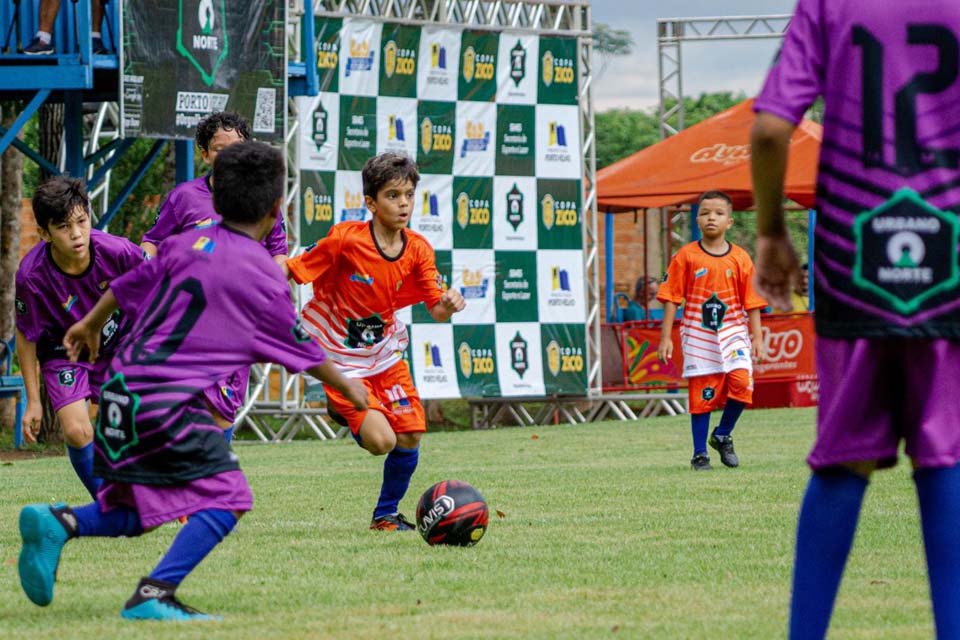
<point>28,228</point>
<point>628,253</point>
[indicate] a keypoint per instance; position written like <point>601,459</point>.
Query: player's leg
<point>704,394</point>
<point>739,393</point>
<point>43,41</point>
<point>855,433</point>
<point>69,388</point>
<point>45,529</point>
<point>933,367</point>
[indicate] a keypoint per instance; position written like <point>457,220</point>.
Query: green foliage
<point>605,533</point>
<point>622,132</point>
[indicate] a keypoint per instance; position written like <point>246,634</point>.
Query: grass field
<point>605,533</point>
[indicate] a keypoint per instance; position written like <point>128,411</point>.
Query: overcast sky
<point>631,81</point>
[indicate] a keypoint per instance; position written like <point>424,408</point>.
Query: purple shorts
<point>227,491</point>
<point>874,392</point>
<point>67,382</point>
<point>228,395</point>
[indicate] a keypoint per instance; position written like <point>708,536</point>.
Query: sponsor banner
<point>516,147</point>
<point>517,69</point>
<point>360,57</point>
<point>559,214</point>
<point>434,360</point>
<point>317,138</point>
<point>557,80</point>
<point>560,285</point>
<point>437,77</point>
<point>474,276</point>
<point>358,131</point>
<point>476,353</point>
<point>516,286</point>
<point>563,348</point>
<point>348,198</point>
<point>473,151</point>
<point>327,47</point>
<point>433,210</point>
<point>478,66</point>
<point>437,126</point>
<point>317,191</point>
<point>400,52</point>
<point>518,353</point>
<point>397,126</point>
<point>419,312</point>
<point>185,60</point>
<point>472,213</point>
<point>515,212</point>
<point>558,142</point>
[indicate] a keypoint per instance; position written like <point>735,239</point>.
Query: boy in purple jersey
<point>190,206</point>
<point>214,303</point>
<point>887,274</point>
<point>57,283</point>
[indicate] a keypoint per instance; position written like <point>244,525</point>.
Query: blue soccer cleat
<point>155,600</point>
<point>44,530</point>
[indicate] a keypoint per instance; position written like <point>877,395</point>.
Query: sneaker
<point>724,445</point>
<point>98,48</point>
<point>700,462</point>
<point>155,600</point>
<point>44,530</point>
<point>38,48</point>
<point>396,522</point>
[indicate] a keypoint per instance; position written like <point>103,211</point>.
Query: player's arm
<point>450,302</point>
<point>777,267</point>
<point>149,249</point>
<point>30,369</point>
<point>351,388</point>
<point>757,346</point>
<point>665,350</point>
<point>317,262</point>
<point>86,332</point>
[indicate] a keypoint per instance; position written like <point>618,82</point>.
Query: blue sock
<point>82,460</point>
<point>228,434</point>
<point>731,413</point>
<point>938,491</point>
<point>828,521</point>
<point>203,531</point>
<point>700,424</point>
<point>398,468</point>
<point>111,524</point>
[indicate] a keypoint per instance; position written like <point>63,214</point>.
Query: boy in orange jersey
<point>719,328</point>
<point>362,273</point>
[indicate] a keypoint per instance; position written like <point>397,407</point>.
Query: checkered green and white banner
<point>493,123</point>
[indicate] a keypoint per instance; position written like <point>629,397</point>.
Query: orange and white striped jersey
<point>716,292</point>
<point>356,291</point>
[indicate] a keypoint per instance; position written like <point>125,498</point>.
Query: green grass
<point>605,533</point>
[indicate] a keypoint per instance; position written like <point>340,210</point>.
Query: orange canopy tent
<point>713,154</point>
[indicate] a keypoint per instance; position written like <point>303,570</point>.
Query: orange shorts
<point>390,392</point>
<point>711,391</point>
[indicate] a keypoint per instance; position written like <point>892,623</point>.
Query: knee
<point>380,446</point>
<point>77,433</point>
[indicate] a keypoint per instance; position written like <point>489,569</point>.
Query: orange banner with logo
<point>788,339</point>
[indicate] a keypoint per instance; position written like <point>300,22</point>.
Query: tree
<point>610,43</point>
<point>11,189</point>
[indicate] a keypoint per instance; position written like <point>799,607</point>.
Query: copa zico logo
<point>477,65</point>
<point>472,211</point>
<point>202,35</point>
<point>563,359</point>
<point>327,56</point>
<point>317,207</point>
<point>400,61</point>
<point>562,213</point>
<point>475,361</point>
<point>435,137</point>
<point>557,70</point>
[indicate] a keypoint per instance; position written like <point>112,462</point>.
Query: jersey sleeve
<point>673,287</point>
<point>280,337</point>
<point>131,288</point>
<point>318,261</point>
<point>799,71</point>
<point>425,285</point>
<point>29,307</point>
<point>168,220</point>
<point>131,257</point>
<point>276,240</point>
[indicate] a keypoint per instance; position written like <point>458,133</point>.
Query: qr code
<point>264,120</point>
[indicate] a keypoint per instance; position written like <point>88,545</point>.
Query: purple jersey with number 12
<point>211,304</point>
<point>889,178</point>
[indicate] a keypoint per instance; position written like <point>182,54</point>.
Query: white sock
<point>45,36</point>
<point>95,34</point>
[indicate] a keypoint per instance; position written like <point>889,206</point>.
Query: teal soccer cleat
<point>44,530</point>
<point>155,600</point>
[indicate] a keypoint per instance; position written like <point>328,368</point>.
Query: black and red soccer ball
<point>452,512</point>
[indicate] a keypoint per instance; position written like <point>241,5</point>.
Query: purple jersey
<point>212,304</point>
<point>889,178</point>
<point>50,301</point>
<point>190,206</point>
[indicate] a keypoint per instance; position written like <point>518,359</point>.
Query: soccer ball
<point>453,513</point>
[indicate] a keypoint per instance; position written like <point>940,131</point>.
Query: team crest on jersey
<point>67,377</point>
<point>21,305</point>
<point>117,421</point>
<point>712,313</point>
<point>708,393</point>
<point>299,333</point>
<point>519,361</point>
<point>364,333</point>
